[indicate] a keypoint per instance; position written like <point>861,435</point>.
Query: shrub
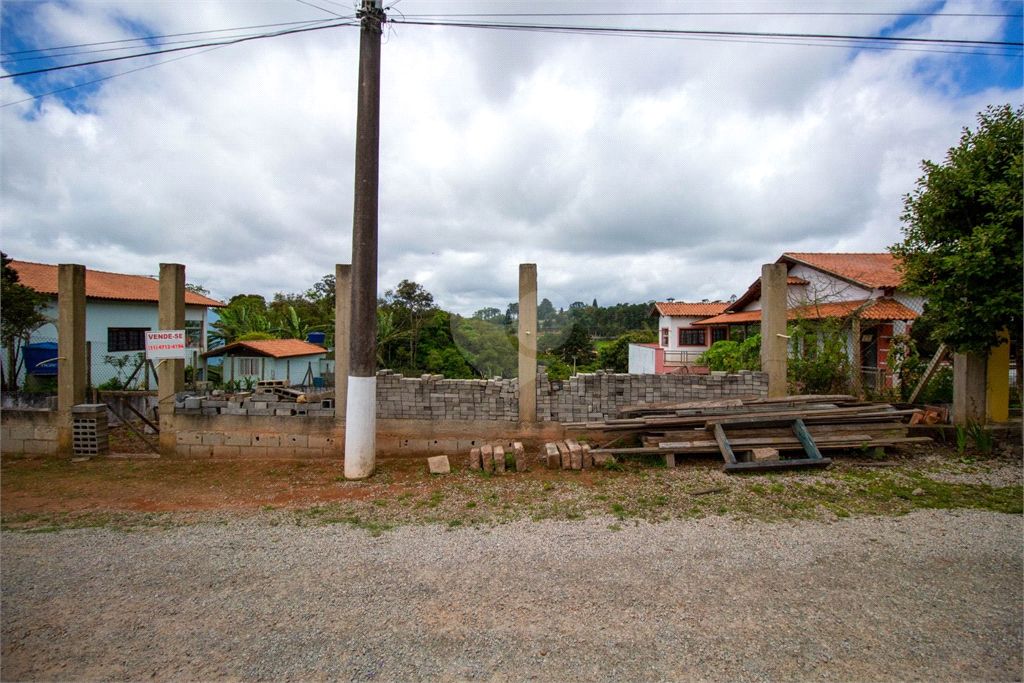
<point>730,356</point>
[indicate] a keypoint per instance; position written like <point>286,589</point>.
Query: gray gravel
<point>931,596</point>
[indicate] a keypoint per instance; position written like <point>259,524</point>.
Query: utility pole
<point>361,408</point>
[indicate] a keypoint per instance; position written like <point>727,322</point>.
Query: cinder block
<point>189,438</point>
<point>200,451</point>
<point>213,439</point>
<point>237,439</point>
<point>227,451</point>
<point>267,440</point>
<point>322,442</point>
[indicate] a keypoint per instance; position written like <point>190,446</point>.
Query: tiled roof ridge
<point>154,278</point>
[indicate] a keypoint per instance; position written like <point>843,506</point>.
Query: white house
<point>119,309</point>
<point>680,340</point>
<point>843,286</point>
<point>293,360</point>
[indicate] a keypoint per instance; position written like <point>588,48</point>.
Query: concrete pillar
<point>342,339</point>
<point>857,377</point>
<point>997,391</point>
<point>773,327</point>
<point>969,400</point>
<point>71,370</point>
<point>527,342</point>
<point>170,372</point>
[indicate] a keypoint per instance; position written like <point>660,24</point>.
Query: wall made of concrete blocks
<point>29,431</point>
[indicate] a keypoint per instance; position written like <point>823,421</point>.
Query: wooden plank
<point>933,365</point>
<point>777,465</point>
<point>129,406</point>
<point>800,429</point>
<point>769,442</point>
<point>723,445</point>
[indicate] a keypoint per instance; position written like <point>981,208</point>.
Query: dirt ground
<point>37,492</point>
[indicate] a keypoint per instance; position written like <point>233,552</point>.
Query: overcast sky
<point>628,169</point>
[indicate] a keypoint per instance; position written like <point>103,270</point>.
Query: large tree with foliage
<point>21,315</point>
<point>962,235</point>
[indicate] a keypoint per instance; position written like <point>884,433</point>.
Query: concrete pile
<point>269,397</point>
<point>498,459</point>
<point>572,455</point>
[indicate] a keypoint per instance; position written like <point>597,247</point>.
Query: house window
<point>719,334</point>
<point>126,339</point>
<point>194,334</point>
<point>691,337</point>
<point>664,336</point>
<point>248,366</point>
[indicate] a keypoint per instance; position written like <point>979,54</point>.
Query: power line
<point>128,47</point>
<point>107,78</point>
<point>234,41</point>
<point>713,14</point>
<point>160,37</point>
<point>595,30</point>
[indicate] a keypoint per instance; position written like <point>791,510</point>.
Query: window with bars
<point>664,336</point>
<point>692,337</point>
<point>126,339</point>
<point>719,334</point>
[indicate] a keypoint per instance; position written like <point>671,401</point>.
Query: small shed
<point>293,360</point>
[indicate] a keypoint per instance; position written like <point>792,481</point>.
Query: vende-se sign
<point>165,344</point>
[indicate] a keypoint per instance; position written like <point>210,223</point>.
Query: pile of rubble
<point>269,397</point>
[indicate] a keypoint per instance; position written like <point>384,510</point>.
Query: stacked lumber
<point>834,422</point>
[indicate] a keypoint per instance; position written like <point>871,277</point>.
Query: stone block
<point>487,458</point>
<point>267,440</point>
<point>284,412</point>
<point>764,455</point>
<point>295,441</point>
<point>520,455</point>
<point>439,464</point>
<point>588,457</point>
<point>603,459</point>
<point>670,460</point>
<point>193,403</point>
<point>554,459</point>
<point>475,462</point>
<point>237,439</point>
<point>200,451</point>
<point>499,459</point>
<point>226,451</point>
<point>564,452</point>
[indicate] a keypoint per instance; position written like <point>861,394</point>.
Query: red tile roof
<point>681,308</point>
<point>273,348</point>
<point>101,285</point>
<point>877,271</point>
<point>875,309</point>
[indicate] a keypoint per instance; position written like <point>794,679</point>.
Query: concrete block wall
<point>597,396</point>
<point>432,397</point>
<point>31,431</point>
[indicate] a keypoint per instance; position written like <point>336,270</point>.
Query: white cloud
<point>628,169</point>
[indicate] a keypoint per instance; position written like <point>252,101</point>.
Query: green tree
<point>578,348</point>
<point>963,225</point>
<point>20,316</point>
<point>615,356</point>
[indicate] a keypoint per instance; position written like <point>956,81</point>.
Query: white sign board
<point>165,344</point>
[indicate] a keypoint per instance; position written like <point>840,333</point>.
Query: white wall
<point>641,360</point>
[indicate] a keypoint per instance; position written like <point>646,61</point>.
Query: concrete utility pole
<point>342,330</point>
<point>773,327</point>
<point>71,371</point>
<point>170,371</point>
<point>527,342</point>
<point>361,408</point>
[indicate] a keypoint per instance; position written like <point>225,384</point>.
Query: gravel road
<point>930,596</point>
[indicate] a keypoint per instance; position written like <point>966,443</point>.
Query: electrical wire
<point>234,41</point>
<point>595,30</point>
